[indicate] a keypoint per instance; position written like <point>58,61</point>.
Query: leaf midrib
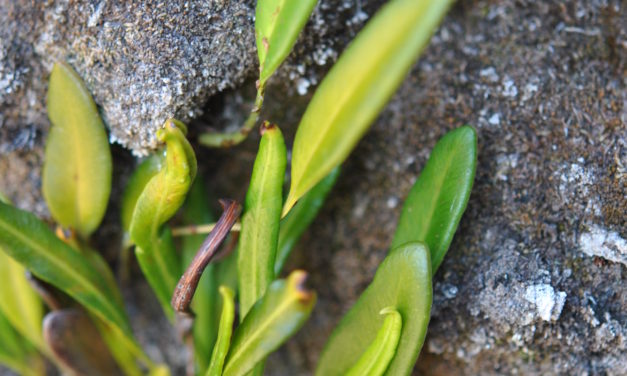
<point>90,287</point>
<point>345,98</point>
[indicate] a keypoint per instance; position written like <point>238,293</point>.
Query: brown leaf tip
<point>266,126</point>
<point>298,280</point>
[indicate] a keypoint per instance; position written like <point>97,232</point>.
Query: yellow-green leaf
<point>16,353</point>
<point>375,360</point>
<point>221,348</point>
<point>148,168</point>
<point>272,320</point>
<point>439,197</point>
<point>260,221</point>
<point>403,281</point>
<point>277,25</point>
<point>76,178</point>
<point>162,196</point>
<point>357,87</point>
<point>19,303</point>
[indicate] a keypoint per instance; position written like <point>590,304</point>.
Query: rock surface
<point>534,280</point>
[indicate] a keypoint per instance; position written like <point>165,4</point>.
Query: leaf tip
<point>298,280</point>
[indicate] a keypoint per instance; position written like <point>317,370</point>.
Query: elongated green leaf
<point>76,178</point>
<point>403,281</point>
<point>223,342</point>
<point>260,222</point>
<point>135,186</point>
<point>273,319</point>
<point>301,216</point>
<point>277,25</point>
<point>438,199</point>
<point>29,241</point>
<point>375,360</point>
<point>17,354</point>
<point>357,87</point>
<point>162,196</point>
<point>19,303</point>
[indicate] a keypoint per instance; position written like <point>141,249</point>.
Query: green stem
<point>228,139</point>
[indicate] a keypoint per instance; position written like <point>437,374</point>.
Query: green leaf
<point>223,342</point>
<point>273,319</point>
<point>355,90</point>
<point>277,25</point>
<point>162,196</point>
<point>16,354</point>
<point>375,360</point>
<point>438,199</point>
<point>77,343</point>
<point>403,281</point>
<point>301,216</point>
<point>30,242</point>
<point>19,303</point>
<point>76,178</point>
<point>135,186</point>
<point>260,222</point>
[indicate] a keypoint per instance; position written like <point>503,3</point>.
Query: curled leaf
<point>271,321</point>
<point>148,168</point>
<point>439,197</point>
<point>355,90</point>
<point>188,283</point>
<point>375,360</point>
<point>162,196</point>
<point>76,177</point>
<point>260,221</point>
<point>221,348</point>
<point>277,25</point>
<point>403,281</point>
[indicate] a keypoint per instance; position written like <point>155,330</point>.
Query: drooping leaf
<point>19,303</point>
<point>272,320</point>
<point>277,25</point>
<point>148,168</point>
<point>375,360</point>
<point>162,196</point>
<point>223,341</point>
<point>76,177</point>
<point>355,90</point>
<point>260,221</point>
<point>30,242</point>
<point>301,216</point>
<point>439,197</point>
<point>76,342</point>
<point>403,281</point>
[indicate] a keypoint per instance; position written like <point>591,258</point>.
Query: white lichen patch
<point>549,304</point>
<point>598,241</point>
<point>575,183</point>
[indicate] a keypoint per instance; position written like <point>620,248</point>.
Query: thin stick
<point>188,283</point>
<point>200,229</point>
